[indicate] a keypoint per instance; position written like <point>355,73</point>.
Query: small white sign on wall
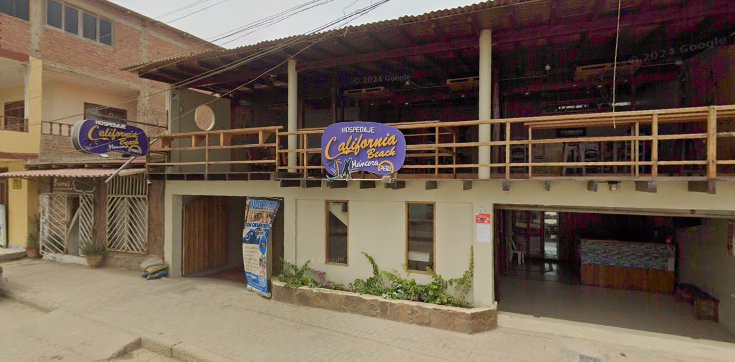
<point>483,227</point>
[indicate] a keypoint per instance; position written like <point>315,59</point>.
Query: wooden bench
<point>705,305</point>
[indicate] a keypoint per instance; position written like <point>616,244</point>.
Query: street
<point>70,312</point>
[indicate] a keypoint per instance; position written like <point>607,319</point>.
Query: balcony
<point>692,144</point>
<point>13,124</point>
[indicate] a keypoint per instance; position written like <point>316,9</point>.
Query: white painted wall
<point>704,262</point>
<point>377,218</point>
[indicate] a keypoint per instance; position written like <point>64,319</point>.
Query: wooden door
<point>205,234</point>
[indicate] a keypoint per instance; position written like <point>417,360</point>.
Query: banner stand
<point>256,236</point>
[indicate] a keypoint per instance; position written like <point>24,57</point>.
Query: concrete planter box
<point>463,320</point>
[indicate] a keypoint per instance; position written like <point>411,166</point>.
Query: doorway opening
<point>212,238</point>
<point>624,269</point>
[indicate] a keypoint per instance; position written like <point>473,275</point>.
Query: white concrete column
<point>485,97</point>
<point>172,237</point>
<point>293,111</point>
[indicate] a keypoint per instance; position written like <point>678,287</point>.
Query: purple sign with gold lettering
<point>351,147</point>
<point>100,137</point>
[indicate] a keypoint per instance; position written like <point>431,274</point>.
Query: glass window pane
<point>16,8</point>
<point>6,7</point>
<point>22,9</point>
<point>89,29</point>
<point>102,113</point>
<point>71,20</point>
<point>337,229</point>
<point>420,236</point>
<point>53,13</point>
<point>105,32</point>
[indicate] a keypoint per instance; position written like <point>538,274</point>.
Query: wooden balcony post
<point>636,148</point>
<point>436,151</point>
<point>530,152</point>
<point>206,154</point>
<point>654,145</point>
<point>454,153</point>
<point>712,143</point>
<point>507,150</point>
<point>304,159</point>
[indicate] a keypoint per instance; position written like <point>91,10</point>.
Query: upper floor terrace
<point>500,90</point>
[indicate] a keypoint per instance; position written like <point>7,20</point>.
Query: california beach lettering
<point>362,147</point>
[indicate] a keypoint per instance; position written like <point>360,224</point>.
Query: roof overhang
<point>72,173</point>
<point>516,24</point>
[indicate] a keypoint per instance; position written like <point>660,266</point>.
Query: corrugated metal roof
<point>72,173</point>
<point>403,20</point>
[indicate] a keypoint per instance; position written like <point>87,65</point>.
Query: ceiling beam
<point>392,54</point>
<point>542,87</point>
<point>668,14</point>
<point>443,38</point>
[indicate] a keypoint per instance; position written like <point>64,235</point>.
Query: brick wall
<point>15,34</point>
<point>71,58</point>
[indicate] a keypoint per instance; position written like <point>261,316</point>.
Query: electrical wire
<point>342,21</point>
<point>615,64</point>
<point>188,6</point>
<point>197,11</point>
<point>256,25</point>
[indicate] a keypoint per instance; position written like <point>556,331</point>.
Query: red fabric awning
<point>73,173</point>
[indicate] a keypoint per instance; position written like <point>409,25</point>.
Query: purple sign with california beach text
<point>351,147</point>
<point>101,137</point>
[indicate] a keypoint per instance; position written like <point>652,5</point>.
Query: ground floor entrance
<point>625,269</point>
<point>212,233</point>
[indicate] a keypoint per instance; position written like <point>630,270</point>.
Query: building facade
<point>601,149</point>
<point>61,63</point>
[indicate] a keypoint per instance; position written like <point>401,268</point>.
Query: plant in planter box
<point>32,240</point>
<point>94,253</point>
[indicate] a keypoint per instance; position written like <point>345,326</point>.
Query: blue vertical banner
<point>256,234</point>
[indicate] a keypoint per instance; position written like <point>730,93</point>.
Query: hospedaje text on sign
<point>100,137</point>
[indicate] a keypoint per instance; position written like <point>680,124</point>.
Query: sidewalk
<point>221,319</point>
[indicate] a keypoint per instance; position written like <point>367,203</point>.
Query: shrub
<point>394,285</point>
<point>90,249</point>
<point>295,276</point>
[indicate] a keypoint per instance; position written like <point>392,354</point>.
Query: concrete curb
<point>163,346</point>
<point>683,346</point>
<point>43,307</point>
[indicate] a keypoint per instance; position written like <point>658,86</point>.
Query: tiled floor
<point>652,312</point>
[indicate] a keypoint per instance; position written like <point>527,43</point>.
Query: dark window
<point>71,20</point>
<point>16,8</point>
<point>102,113</point>
<point>337,231</point>
<point>89,29</point>
<point>13,117</point>
<point>53,13</point>
<point>105,32</point>
<point>420,233</point>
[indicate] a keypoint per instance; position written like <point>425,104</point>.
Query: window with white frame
<point>78,22</point>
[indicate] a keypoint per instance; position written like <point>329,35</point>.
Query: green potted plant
<point>94,253</point>
<point>32,240</point>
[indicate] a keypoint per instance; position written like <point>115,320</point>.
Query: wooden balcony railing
<point>217,151</point>
<point>14,124</point>
<point>692,143</point>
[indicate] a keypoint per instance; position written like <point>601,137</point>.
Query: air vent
<point>463,83</point>
<point>368,93</point>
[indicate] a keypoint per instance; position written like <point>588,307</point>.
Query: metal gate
<point>56,221</point>
<point>127,214</point>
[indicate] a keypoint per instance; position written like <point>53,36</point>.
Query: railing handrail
<point>251,130</point>
<point>640,148</point>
